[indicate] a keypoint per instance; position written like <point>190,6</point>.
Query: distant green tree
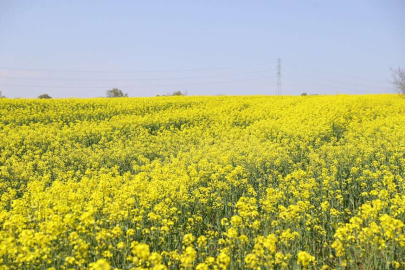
<point>304,94</point>
<point>1,96</point>
<point>115,92</point>
<point>44,96</point>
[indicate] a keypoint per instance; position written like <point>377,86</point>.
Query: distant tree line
<point>398,76</point>
<point>175,93</point>
<point>44,96</point>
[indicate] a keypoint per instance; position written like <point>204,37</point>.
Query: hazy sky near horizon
<point>148,48</point>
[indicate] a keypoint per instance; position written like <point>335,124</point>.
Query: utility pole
<point>279,89</point>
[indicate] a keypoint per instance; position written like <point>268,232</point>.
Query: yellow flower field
<point>313,182</point>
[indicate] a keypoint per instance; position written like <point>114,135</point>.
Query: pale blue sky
<point>202,47</point>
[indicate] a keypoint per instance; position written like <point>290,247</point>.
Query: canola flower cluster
<point>257,182</point>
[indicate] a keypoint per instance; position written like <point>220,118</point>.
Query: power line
<point>115,80</point>
<point>333,86</point>
<point>134,86</point>
<point>331,73</point>
<point>122,72</point>
<point>354,84</point>
<point>310,75</point>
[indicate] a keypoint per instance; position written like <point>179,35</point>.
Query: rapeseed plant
<point>203,183</point>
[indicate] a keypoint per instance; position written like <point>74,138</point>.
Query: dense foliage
<point>313,182</point>
<point>115,93</point>
<point>44,96</point>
